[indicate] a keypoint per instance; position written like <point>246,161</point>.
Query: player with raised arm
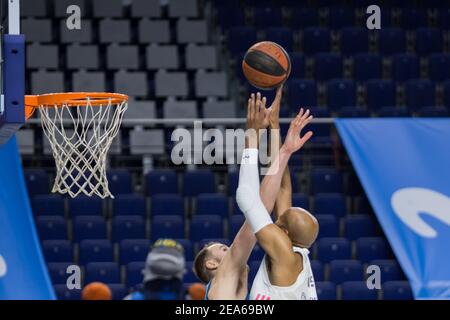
<point>224,268</point>
<point>285,272</point>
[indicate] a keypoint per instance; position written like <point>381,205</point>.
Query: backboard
<point>12,70</point>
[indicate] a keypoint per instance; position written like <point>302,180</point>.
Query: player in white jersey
<point>285,273</point>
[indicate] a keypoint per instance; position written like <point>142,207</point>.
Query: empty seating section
<point>180,61</point>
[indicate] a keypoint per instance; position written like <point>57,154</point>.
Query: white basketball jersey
<point>303,289</point>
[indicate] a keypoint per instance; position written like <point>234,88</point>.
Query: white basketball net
<point>80,137</point>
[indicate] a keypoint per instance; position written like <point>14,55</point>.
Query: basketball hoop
<point>80,127</point>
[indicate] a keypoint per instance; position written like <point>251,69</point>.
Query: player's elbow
<point>244,198</point>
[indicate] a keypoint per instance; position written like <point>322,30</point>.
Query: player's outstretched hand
<point>294,141</point>
<point>257,113</point>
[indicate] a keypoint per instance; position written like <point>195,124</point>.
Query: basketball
<point>266,65</point>
<point>96,291</point>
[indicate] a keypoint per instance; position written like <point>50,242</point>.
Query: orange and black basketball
<point>266,65</point>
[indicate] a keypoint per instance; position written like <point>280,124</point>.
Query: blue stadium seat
<point>301,92</point>
<point>326,180</point>
<point>391,40</point>
<point>129,204</point>
<point>95,251</point>
<point>358,225</point>
<point>127,227</point>
<point>85,206</point>
<point>390,270</point>
<point>161,181</point>
<point>353,112</point>
<point>330,203</point>
<point>304,17</point>
<point>281,35</point>
<point>329,249</point>
<point>167,226</point>
<point>439,66</point>
<point>133,250</point>
<point>354,40</point>
<point>340,17</point>
<point>188,248</point>
<point>433,112</point>
<point>328,225</point>
<point>63,293</point>
<point>48,205</point>
<point>419,93</point>
<point>57,250</point>
<point>327,66</point>
<point>357,290</point>
<point>268,17</point>
<point>37,182</point>
<point>240,39</point>
<point>428,40</point>
<point>134,274</point>
<point>118,290</point>
<point>89,227</point>
<point>326,290</point>
<point>446,86</point>
<point>235,223</point>
<point>206,226</point>
<point>57,272</point>
<point>233,181</point>
<point>405,66</point>
<point>51,228</point>
<point>346,270</point>
<point>371,248</point>
<point>397,290</point>
<point>316,39</point>
<point>257,253</point>
<point>297,65</point>
<point>393,112</point>
<point>341,93</point>
<point>119,181</point>
<point>212,203</point>
<point>189,276</point>
<point>317,268</point>
<point>444,19</point>
<point>300,200</point>
<point>367,66</point>
<point>413,17</point>
<point>107,272</point>
<point>228,17</point>
<point>380,93</point>
<point>167,204</point>
<point>198,181</point>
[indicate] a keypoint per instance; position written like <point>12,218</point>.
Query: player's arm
<point>273,240</point>
<point>243,243</point>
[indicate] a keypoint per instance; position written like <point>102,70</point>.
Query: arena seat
<point>129,204</point>
<point>330,203</point>
<point>48,205</point>
<point>327,66</point>
<point>358,225</point>
<point>397,290</point>
<point>57,272</point>
<point>85,206</point>
<point>341,93</point>
<point>391,40</point>
<point>127,227</point>
<point>133,250</point>
<point>326,290</point>
<point>390,269</point>
<point>212,203</point>
<point>329,226</point>
<point>95,251</point>
<point>166,225</point>
<point>134,274</point>
<point>161,181</point>
<point>354,40</point>
<point>51,227</point>
<point>332,249</point>
<point>198,181</point>
<point>380,93</point>
<point>370,248</point>
<point>118,290</point>
<point>88,227</point>
<point>419,93</point>
<point>63,293</point>
<point>317,268</point>
<point>367,66</point>
<point>37,181</point>
<point>57,250</point>
<point>167,204</point>
<point>107,272</point>
<point>357,290</point>
<point>345,270</point>
<point>281,35</point>
<point>206,226</point>
<point>405,66</point>
<point>316,39</point>
<point>189,276</point>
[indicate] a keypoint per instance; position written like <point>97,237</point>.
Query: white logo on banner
<point>3,267</point>
<point>410,203</point>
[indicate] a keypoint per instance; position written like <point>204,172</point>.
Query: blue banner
<point>23,273</point>
<point>404,167</point>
